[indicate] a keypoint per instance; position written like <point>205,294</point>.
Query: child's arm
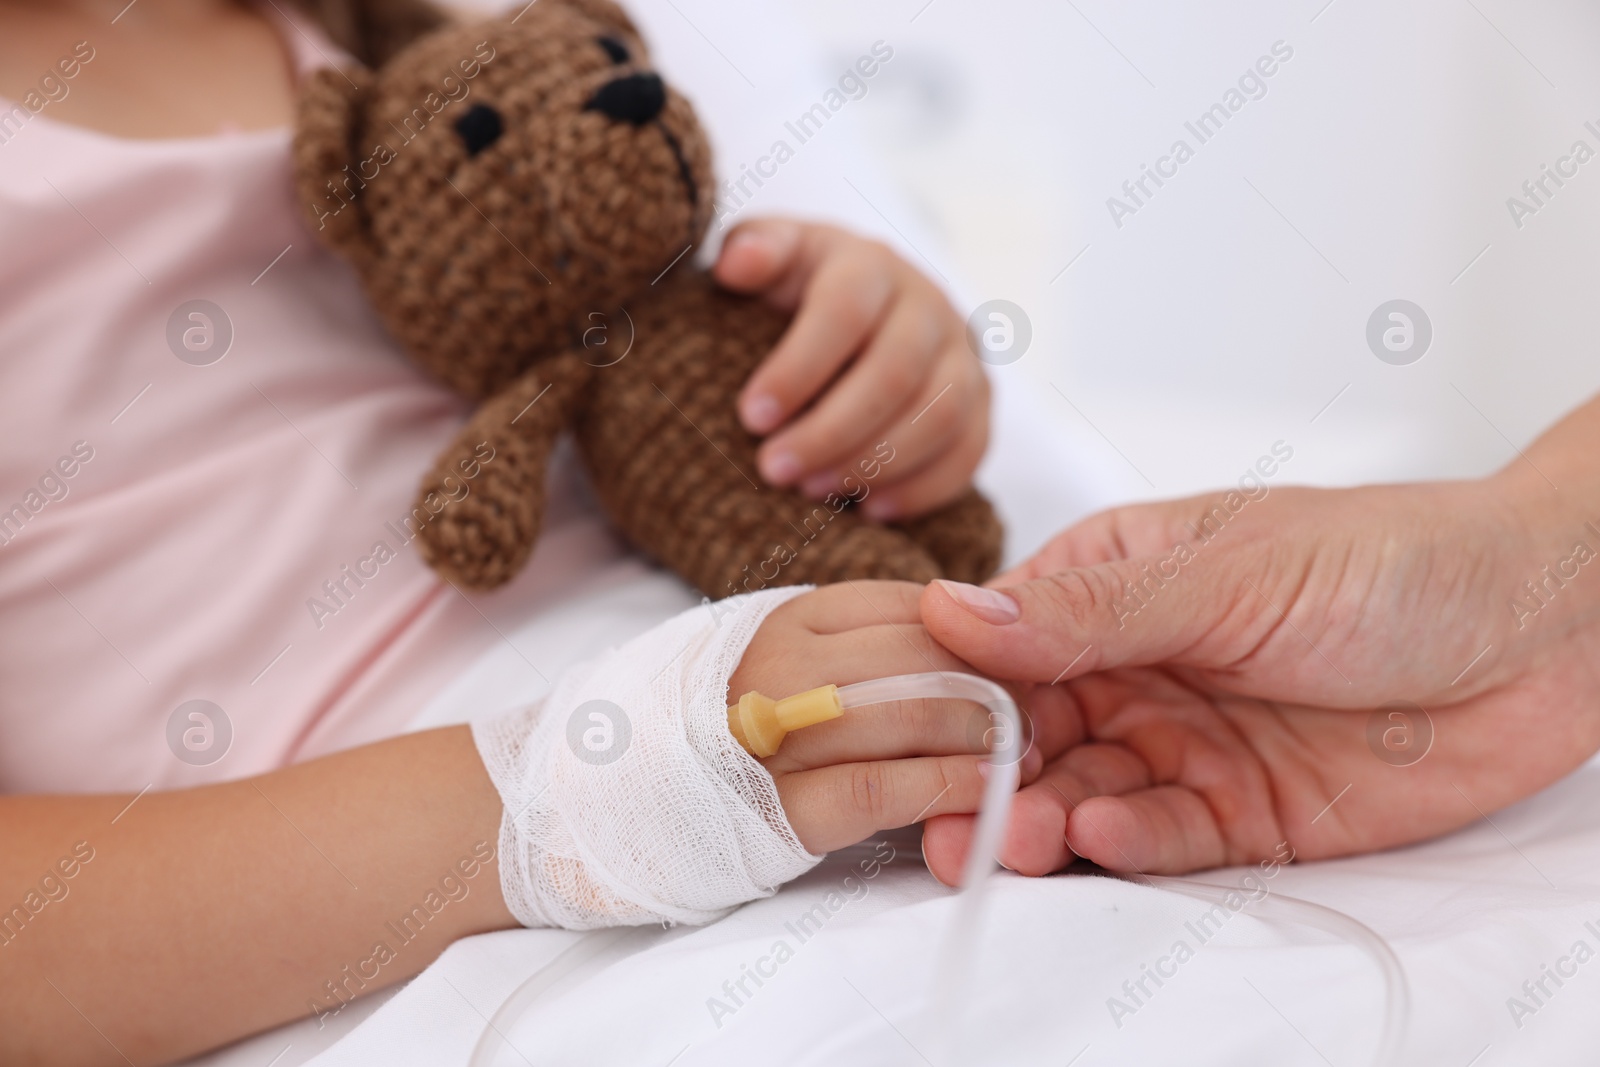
<point>194,917</point>
<point>875,352</point>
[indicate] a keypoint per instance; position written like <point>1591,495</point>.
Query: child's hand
<point>877,767</point>
<point>877,352</point>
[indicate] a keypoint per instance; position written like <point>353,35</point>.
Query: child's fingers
<point>848,606</point>
<point>879,390</point>
<point>883,651</point>
<point>900,730</point>
<point>935,484</point>
<point>796,662</point>
<point>839,634</point>
<point>832,807</point>
<point>874,634</point>
<point>937,439</point>
<point>843,304</point>
<point>954,396</point>
<point>788,252</point>
<point>893,453</point>
<point>758,254</point>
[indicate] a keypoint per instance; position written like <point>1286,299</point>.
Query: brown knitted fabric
<point>513,192</point>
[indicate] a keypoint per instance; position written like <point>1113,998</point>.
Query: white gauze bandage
<point>627,801</point>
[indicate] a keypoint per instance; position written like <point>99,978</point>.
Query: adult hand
<point>875,353</point>
<point>1225,680</point>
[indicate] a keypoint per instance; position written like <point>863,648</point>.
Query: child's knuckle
<point>868,786</point>
<point>900,377</point>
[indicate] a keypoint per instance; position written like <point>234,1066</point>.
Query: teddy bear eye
<point>479,128</point>
<point>615,49</point>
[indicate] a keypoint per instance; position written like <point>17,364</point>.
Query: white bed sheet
<point>1470,916</point>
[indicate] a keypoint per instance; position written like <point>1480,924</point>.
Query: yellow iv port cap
<point>760,723</point>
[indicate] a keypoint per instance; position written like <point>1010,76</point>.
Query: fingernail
<point>780,468</point>
<point>748,238</point>
<point>928,865</point>
<point>990,605</point>
<point>761,413</point>
<point>881,509</point>
<point>819,485</point>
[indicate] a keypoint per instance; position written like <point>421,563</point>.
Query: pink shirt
<point>169,518</point>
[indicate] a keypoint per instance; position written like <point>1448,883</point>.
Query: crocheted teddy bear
<point>515,191</point>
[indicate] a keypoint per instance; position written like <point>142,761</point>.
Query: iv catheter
<point>760,724</point>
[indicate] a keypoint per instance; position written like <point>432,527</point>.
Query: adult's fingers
<point>832,807</point>
<point>1119,613</point>
<point>1036,833</point>
<point>1083,544</point>
<point>1036,839</point>
<point>1165,830</point>
<point>1116,533</point>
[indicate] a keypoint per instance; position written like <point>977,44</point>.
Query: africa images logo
<point>599,732</point>
<point>1399,332</point>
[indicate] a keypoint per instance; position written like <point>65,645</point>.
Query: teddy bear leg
<point>964,537</point>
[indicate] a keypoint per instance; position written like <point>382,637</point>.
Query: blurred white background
<point>1232,307</point>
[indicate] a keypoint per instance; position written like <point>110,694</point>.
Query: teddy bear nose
<point>635,98</point>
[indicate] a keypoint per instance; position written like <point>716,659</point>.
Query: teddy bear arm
<point>481,527</point>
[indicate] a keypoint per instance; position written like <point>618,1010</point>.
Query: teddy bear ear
<point>608,14</point>
<point>326,129</point>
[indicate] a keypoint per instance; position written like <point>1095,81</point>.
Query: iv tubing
<point>1004,758</point>
<point>955,961</point>
<point>1397,990</point>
